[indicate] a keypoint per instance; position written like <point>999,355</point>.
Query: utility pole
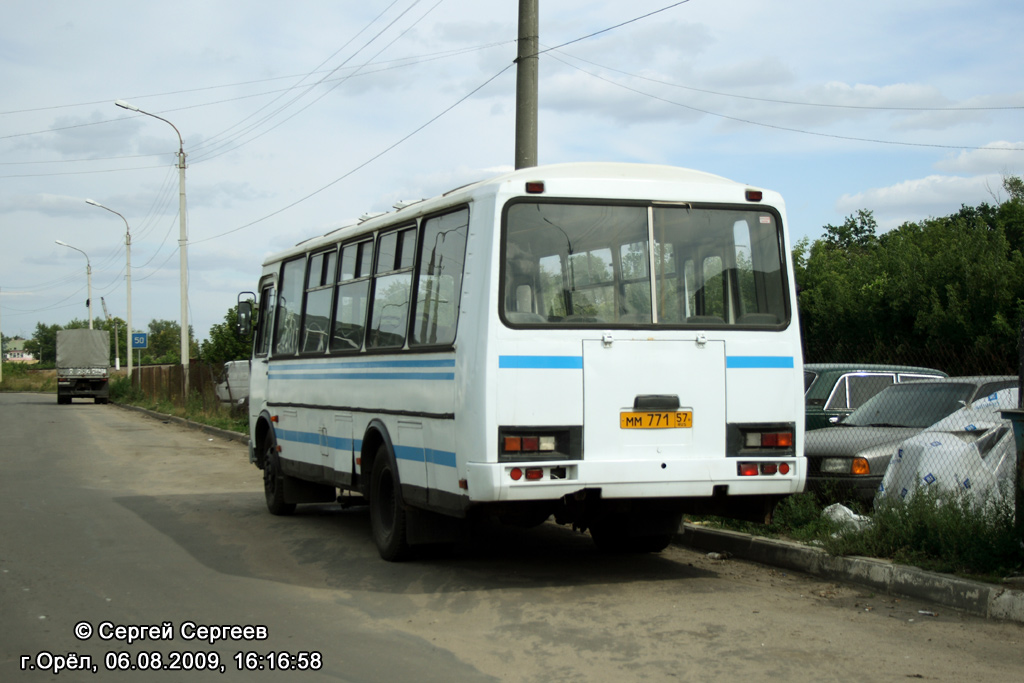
<point>117,347</point>
<point>526,84</point>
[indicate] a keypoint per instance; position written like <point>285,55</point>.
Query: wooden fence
<point>165,382</point>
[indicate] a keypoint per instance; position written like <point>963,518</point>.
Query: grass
<point>202,409</point>
<point>18,377</point>
<point>938,531</point>
<point>22,377</point>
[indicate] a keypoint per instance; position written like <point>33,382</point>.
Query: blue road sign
<point>140,340</point>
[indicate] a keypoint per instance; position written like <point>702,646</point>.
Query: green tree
<point>947,291</point>
<point>856,231</point>
<point>43,344</point>
<point>225,343</point>
<point>164,340</point>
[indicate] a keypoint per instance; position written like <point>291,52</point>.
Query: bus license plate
<point>656,420</point>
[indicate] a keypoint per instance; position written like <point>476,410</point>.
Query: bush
<point>941,531</point>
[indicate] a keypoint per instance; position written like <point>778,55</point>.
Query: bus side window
<point>289,301</point>
<point>262,343</point>
<point>319,289</point>
<point>350,302</point>
<point>392,285</point>
<point>442,254</point>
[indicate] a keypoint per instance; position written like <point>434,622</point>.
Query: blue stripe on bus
<point>541,362</point>
<point>364,375</point>
<point>434,363</point>
<point>428,455</point>
<point>748,362</point>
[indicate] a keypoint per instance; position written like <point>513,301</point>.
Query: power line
<point>778,127</point>
<point>363,164</point>
<point>779,101</point>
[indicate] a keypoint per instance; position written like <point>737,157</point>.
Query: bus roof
<point>575,179</point>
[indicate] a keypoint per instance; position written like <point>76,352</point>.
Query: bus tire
<point>273,479</point>
<point>387,515</point>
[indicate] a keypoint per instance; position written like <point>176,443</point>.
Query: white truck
<point>83,365</point>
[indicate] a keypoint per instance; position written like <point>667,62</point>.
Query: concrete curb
<point>214,431</point>
<point>973,597</point>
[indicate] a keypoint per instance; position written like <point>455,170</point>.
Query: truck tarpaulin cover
<point>83,348</point>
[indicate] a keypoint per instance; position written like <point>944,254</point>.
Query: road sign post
<point>140,340</point>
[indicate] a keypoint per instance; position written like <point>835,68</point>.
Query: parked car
<point>847,461</point>
<point>833,390</point>
<point>233,384</point>
<point>972,452</point>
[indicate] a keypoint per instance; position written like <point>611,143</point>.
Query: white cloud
<point>996,157</point>
<point>914,200</point>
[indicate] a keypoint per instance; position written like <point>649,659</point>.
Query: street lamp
<point>182,239</point>
<point>88,276</point>
<point>128,277</point>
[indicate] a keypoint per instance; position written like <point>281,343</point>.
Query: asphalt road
<point>114,520</point>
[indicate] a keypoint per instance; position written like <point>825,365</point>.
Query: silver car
<point>847,462</point>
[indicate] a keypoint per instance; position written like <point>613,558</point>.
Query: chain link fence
<point>892,423</point>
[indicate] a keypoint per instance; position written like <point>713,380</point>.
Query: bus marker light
<point>516,474</point>
<point>534,187</point>
<point>464,484</point>
<point>534,474</point>
<point>784,468</point>
<point>769,468</point>
<point>754,195</point>
<point>273,418</point>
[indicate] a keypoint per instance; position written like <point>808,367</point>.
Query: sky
<point>298,117</point>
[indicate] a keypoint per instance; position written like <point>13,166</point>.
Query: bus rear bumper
<point>496,482</point>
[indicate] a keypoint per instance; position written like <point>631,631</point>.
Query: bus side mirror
<point>244,318</point>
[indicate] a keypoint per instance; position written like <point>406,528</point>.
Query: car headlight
<point>845,466</point>
<point>835,466</point>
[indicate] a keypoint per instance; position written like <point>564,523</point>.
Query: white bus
<point>610,344</point>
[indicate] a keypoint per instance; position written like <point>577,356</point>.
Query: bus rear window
<point>568,264</point>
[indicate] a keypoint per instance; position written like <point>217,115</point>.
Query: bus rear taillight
<point>756,469</point>
<point>524,444</point>
<point>753,440</point>
<point>769,440</point>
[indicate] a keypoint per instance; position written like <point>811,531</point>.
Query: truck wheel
<point>273,480</point>
<point>387,517</point>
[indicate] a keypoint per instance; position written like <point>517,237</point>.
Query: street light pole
<point>88,276</point>
<point>128,280</point>
<point>182,241</point>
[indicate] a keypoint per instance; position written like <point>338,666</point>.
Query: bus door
<point>654,401</point>
<point>261,351</point>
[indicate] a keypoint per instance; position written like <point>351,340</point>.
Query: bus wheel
<point>387,518</point>
<point>273,480</point>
